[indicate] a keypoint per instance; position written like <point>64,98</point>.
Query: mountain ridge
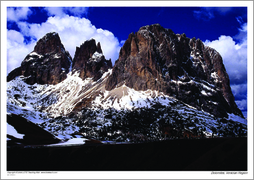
<point>160,73</point>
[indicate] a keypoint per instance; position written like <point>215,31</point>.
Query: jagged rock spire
<point>90,61</point>
<point>48,63</point>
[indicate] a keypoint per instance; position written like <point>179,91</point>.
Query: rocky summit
<point>48,63</point>
<point>89,60</point>
<point>158,59</point>
<point>163,85</point>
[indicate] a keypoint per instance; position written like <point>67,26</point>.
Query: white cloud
<point>55,11</point>
<point>16,49</point>
<point>234,57</point>
<point>17,14</point>
<point>73,31</point>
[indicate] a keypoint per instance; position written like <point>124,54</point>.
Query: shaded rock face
<point>158,59</point>
<point>90,61</point>
<point>14,73</point>
<point>48,63</point>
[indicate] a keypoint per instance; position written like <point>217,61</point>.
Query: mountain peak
<point>90,61</point>
<point>48,63</point>
<point>152,26</point>
<point>156,58</point>
<point>48,44</point>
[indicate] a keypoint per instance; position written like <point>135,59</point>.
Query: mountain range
<point>163,85</point>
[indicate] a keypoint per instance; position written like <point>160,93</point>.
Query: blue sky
<point>223,28</point>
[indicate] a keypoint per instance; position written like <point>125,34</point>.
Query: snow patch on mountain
<point>33,55</point>
<point>13,132</point>
<point>127,98</point>
<point>71,142</point>
<point>97,55</point>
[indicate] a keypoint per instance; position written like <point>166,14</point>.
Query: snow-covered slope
<point>53,108</point>
<point>127,98</point>
<point>23,99</point>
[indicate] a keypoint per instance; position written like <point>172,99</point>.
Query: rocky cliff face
<point>90,61</point>
<point>48,63</point>
<point>158,59</point>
